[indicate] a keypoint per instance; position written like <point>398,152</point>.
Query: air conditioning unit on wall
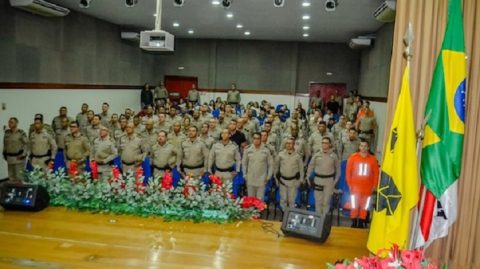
<point>40,7</point>
<point>360,43</point>
<point>386,11</point>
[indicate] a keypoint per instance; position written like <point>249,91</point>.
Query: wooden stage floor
<point>59,238</point>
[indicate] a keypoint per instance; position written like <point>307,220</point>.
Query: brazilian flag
<point>445,110</point>
<point>444,131</point>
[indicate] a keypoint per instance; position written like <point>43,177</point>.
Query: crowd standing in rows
<point>222,137</point>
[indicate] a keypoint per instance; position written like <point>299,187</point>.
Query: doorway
<point>178,86</point>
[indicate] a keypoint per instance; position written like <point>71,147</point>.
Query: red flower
<point>115,173</point>
<point>249,201</point>
<point>72,169</point>
<point>167,181</point>
<point>94,168</point>
<point>215,180</point>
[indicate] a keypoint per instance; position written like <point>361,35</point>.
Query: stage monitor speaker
<point>306,224</point>
<point>24,197</point>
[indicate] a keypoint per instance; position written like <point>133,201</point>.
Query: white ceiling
<point>260,17</point>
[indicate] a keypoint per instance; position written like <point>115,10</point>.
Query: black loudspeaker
<point>24,197</point>
<point>306,224</point>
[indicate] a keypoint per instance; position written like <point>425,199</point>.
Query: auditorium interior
<point>239,133</point>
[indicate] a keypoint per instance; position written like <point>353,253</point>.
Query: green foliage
<point>191,200</point>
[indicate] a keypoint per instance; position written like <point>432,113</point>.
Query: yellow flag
<point>397,190</point>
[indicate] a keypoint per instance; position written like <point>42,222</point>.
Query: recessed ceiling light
<point>306,17</point>
<point>305,4</point>
<point>306,35</point>
<point>191,32</point>
<point>306,27</point>
<point>215,2</point>
<point>239,26</point>
<point>247,33</point>
<point>229,15</point>
<point>329,73</point>
<point>176,24</point>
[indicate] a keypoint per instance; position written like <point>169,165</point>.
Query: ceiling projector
<point>156,40</point>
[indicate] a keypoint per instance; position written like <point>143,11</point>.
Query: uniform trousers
<point>323,198</point>
<point>288,192</point>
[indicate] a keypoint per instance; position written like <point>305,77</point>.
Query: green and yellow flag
<point>444,132</point>
<point>397,191</point>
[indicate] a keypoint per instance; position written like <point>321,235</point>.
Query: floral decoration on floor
<point>127,194</point>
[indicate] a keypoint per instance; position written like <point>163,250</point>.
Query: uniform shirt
<point>337,131</point>
<point>257,165</point>
<point>207,140</point>
<point>161,93</point>
<point>163,155</point>
<point>176,140</point>
<point>118,134</point>
<point>222,124</point>
<point>131,149</point>
<point>215,133</point>
<point>163,126</point>
<point>148,139</point>
<point>41,143</point>
<point>173,120</point>
<point>193,96</point>
<point>197,122</point>
<point>112,128</point>
<point>224,156</point>
<point>14,142</point>
<point>57,122</point>
<point>366,124</point>
<point>247,134</point>
<point>274,141</point>
<point>301,147</point>
<point>138,129</point>
<point>325,163</point>
<point>104,150</point>
<point>289,164</point>
<point>204,118</point>
<point>194,153</point>
<point>82,120</point>
<point>315,141</point>
<point>77,147</point>
<point>349,147</point>
<point>362,173</point>
<point>300,124</point>
<point>93,132</point>
<point>60,135</point>
<point>46,127</point>
<point>252,125</point>
<point>272,150</point>
<point>233,96</point>
<point>106,117</point>
<point>154,118</point>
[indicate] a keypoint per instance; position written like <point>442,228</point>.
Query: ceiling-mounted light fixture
<point>131,3</point>
<point>227,3</point>
<point>84,3</point>
<point>278,3</point>
<point>178,3</point>
<point>331,5</point>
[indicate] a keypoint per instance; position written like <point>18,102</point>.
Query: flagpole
<point>408,54</point>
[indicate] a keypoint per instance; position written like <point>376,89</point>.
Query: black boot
<point>361,224</point>
<point>354,223</point>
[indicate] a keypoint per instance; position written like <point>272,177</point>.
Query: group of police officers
<point>293,151</point>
